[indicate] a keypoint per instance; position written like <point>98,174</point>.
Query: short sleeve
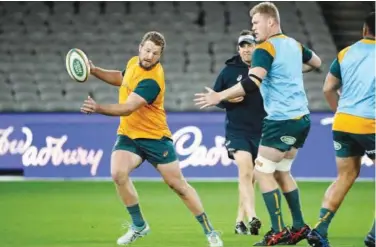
<point>263,56</point>
<point>307,54</point>
<point>335,69</point>
<point>148,89</point>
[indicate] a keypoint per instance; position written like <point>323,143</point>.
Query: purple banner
<point>79,146</point>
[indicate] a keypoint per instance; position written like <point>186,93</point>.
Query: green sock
<point>136,215</point>
<point>205,223</point>
<point>326,217</point>
<point>293,201</point>
<point>273,203</point>
<point>372,232</point>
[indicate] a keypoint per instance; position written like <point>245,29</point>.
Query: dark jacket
<point>244,117</point>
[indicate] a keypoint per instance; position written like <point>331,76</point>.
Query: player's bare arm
<point>112,77</point>
<point>251,83</point>
<point>212,98</point>
<point>313,63</point>
<point>133,103</point>
<point>331,86</point>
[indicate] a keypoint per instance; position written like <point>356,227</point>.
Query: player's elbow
<point>132,106</point>
<point>319,62</point>
<point>127,113</point>
<point>118,83</point>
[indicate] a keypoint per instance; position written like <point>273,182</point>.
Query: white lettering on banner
<point>14,146</point>
<point>365,159</point>
<point>53,152</point>
<point>198,154</point>
<point>327,121</point>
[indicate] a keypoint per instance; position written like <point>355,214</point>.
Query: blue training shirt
<point>282,89</point>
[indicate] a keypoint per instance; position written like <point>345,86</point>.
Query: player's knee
<point>348,175</point>
<point>245,175</point>
<point>245,169</point>
<point>179,186</point>
<point>264,165</point>
<point>119,177</point>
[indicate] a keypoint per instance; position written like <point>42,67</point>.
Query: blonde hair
<point>155,37</point>
<point>266,8</point>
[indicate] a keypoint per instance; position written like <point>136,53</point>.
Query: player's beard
<point>148,67</point>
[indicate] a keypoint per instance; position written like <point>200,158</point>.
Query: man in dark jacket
<point>244,116</point>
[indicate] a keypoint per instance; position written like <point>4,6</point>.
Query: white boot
<point>133,234</point>
<point>214,240</point>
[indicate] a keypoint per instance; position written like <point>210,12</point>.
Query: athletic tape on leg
<point>284,165</point>
<point>264,165</point>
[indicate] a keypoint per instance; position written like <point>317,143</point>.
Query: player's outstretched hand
<point>204,100</point>
<point>89,106</point>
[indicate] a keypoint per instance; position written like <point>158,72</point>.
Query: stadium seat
<point>200,36</point>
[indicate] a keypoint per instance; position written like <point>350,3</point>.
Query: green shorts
<point>350,145</point>
<point>236,142</point>
<point>285,134</point>
<point>157,152</point>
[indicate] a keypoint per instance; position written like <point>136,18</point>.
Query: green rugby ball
<point>77,65</point>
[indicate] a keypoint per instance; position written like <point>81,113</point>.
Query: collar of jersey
<point>368,40</point>
<point>277,35</point>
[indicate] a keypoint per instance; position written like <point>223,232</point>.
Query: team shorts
<point>155,151</point>
<point>285,134</point>
<point>236,142</point>
<point>350,145</point>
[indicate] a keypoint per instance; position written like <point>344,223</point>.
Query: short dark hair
<point>155,37</point>
<point>245,32</point>
<point>370,23</point>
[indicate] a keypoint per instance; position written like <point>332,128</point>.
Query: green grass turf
<point>73,214</point>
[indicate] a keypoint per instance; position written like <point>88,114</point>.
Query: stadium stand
<point>35,37</point>
<point>343,20</point>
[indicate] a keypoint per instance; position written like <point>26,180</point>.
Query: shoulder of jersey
<point>342,53</point>
<point>265,45</point>
<point>160,70</point>
<point>132,61</point>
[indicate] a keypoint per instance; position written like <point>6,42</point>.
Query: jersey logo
<point>239,78</point>
<point>165,153</point>
<point>337,146</point>
<point>227,143</point>
<point>289,140</point>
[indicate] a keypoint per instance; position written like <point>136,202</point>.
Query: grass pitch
<point>77,214</point>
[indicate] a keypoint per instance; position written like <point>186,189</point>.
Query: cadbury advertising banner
<point>73,145</point>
